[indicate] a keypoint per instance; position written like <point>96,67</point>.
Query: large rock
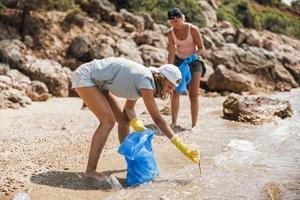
<point>129,49</point>
<point>153,56</point>
<point>151,38</point>
<point>20,81</point>
<point>214,35</point>
<point>255,62</point>
<point>255,110</point>
<point>137,21</point>
<point>99,9</point>
<point>13,98</point>
<point>294,69</point>
<point>209,13</point>
<point>103,50</point>
<point>228,31</point>
<point>80,48</point>
<point>4,69</point>
<point>12,53</point>
<point>209,72</point>
<point>225,56</point>
<point>227,80</point>
<point>56,77</point>
<point>38,91</point>
<point>149,22</point>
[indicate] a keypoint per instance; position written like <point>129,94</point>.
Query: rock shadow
<point>75,180</point>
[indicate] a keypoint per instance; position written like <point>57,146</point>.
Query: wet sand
<point>44,147</point>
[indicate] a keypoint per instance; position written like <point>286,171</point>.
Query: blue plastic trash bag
<point>139,156</point>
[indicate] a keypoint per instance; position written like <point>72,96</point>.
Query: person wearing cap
<point>99,83</point>
<point>184,41</point>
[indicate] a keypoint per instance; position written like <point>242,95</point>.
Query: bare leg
<point>97,103</point>
<point>193,95</point>
<point>175,107</point>
<point>120,116</point>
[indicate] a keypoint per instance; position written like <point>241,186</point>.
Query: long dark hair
<point>159,81</point>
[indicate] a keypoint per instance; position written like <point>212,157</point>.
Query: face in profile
<point>169,87</point>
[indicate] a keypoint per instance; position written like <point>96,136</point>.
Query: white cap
<point>171,72</point>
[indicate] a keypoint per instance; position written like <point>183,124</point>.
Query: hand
<point>192,155</point>
<point>137,124</point>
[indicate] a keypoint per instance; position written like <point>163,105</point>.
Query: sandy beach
<point>44,148</point>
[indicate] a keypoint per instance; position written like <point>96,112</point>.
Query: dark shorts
<point>196,66</point>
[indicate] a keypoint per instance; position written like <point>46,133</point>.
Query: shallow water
<point>238,160</point>
<point>43,150</point>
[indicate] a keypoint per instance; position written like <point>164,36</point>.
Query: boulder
<point>153,56</point>
<point>135,20</point>
<point>56,77</point>
<point>80,48</point>
<point>227,80</point>
<point>12,53</point>
<point>151,38</point>
<point>209,72</point>
<point>100,9</point>
<point>209,13</point>
<point>4,69</point>
<point>12,98</point>
<point>214,35</point>
<point>38,91</point>
<point>255,110</point>
<point>128,48</point>
<point>149,22</point>
<point>253,38</point>
<point>19,80</point>
<point>103,50</point>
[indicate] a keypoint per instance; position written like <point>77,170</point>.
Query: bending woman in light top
<point>100,82</point>
<point>185,39</point>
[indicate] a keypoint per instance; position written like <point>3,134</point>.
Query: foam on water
<point>240,152</point>
<point>241,145</point>
<point>281,133</point>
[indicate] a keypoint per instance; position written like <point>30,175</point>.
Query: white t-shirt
<point>122,77</point>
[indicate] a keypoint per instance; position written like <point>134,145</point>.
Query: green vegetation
<point>268,2</point>
<point>61,5</point>
<point>159,8</point>
<point>296,6</point>
<point>271,15</point>
<point>1,5</point>
<point>244,14</point>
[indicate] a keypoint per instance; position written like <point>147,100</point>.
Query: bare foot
<point>94,175</point>
<point>173,125</point>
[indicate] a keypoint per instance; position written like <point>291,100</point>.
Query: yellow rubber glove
<point>193,155</point>
<point>137,124</point>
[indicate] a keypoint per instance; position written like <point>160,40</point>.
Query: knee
<point>108,122</point>
<point>193,95</point>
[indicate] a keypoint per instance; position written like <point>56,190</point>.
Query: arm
<point>171,48</point>
<point>198,40</point>
<point>135,122</point>
<point>129,109</point>
<point>152,108</point>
